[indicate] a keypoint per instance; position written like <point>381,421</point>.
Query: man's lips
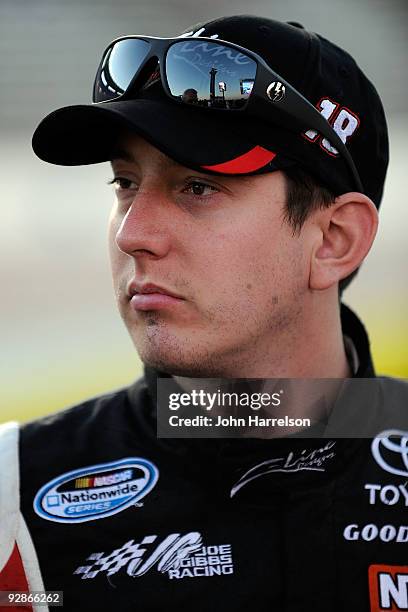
<point>148,296</point>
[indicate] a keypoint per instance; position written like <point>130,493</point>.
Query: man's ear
<point>346,232</point>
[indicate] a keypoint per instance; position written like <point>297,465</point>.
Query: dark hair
<point>304,195</point>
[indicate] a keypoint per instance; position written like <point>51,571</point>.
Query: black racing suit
<point>322,527</point>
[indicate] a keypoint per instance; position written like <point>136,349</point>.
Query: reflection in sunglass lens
<point>209,74</point>
<point>118,68</point>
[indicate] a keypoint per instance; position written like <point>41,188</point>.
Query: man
<point>234,227</point>
<point>190,96</point>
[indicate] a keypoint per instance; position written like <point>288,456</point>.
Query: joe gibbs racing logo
<point>177,555</point>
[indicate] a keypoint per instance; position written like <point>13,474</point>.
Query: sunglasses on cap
<point>214,76</point>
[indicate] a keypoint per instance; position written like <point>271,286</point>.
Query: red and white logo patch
<point>388,587</point>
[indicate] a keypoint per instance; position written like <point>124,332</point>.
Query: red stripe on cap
<point>248,162</point>
<point>13,578</point>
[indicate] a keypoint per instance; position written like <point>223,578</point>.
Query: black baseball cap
<point>324,74</point>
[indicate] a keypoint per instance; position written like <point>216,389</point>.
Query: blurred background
<point>61,337</point>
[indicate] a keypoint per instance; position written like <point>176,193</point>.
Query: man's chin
<point>175,365</point>
<point>178,361</point>
<point>161,350</point>
<point>174,352</point>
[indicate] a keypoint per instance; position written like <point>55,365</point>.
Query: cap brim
<point>88,134</point>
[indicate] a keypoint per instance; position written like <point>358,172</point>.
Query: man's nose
<point>145,229</point>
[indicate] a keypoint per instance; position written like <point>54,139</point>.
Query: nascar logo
<point>99,481</point>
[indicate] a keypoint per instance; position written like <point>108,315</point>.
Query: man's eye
<point>200,189</point>
<point>122,183</point>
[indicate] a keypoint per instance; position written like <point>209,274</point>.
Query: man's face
<point>219,245</point>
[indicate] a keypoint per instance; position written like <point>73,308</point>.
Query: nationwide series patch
<point>96,491</point>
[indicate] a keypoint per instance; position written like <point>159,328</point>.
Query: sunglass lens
<point>118,67</point>
<point>209,74</point>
